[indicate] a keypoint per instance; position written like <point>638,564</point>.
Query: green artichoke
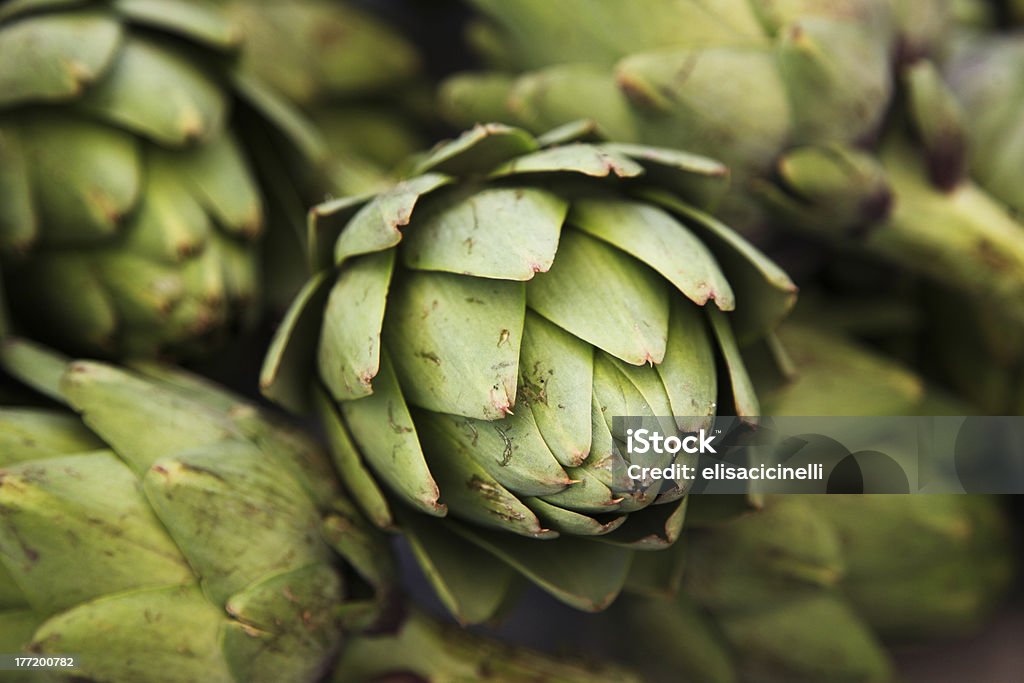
<point>828,589</point>
<point>738,81</point>
<point>173,533</point>
<point>480,324</point>
<point>129,209</point>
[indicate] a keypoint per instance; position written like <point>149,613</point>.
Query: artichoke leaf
<point>192,21</point>
<point>478,150</point>
<point>219,178</point>
<point>654,237</point>
<point>375,226</point>
<point>471,492</point>
<point>292,353</point>
<point>284,627</point>
<point>510,450</point>
<point>508,233</point>
<point>65,504</point>
<point>689,371</point>
<point>654,528</point>
<point>764,292</point>
<point>576,157</point>
<point>383,429</point>
<point>571,522</point>
<point>159,94</point>
<point>556,383</point>
<point>579,572</point>
<point>695,178</point>
<point>605,298</point>
<point>54,57</point>
<point>86,177</point>
<point>471,582</point>
<point>263,523</point>
<point>587,493</point>
<point>459,340</point>
<point>358,479</point>
<point>142,422</point>
<point>744,397</point>
<point>348,355</point>
<point>109,633</point>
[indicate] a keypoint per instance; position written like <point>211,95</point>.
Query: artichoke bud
<point>125,199</point>
<point>474,363</point>
<point>939,122</point>
<point>833,185</point>
<point>172,519</point>
<point>953,568</point>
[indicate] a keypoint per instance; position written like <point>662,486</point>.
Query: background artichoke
<point>173,533</point>
<point>808,588</point>
<point>484,320</point>
<point>129,210</point>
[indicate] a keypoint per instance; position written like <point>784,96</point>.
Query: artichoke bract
<point>478,327</point>
<point>171,531</point>
<point>129,210</point>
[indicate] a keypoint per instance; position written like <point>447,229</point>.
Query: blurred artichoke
<point>828,588</point>
<point>173,533</point>
<point>129,211</point>
<point>483,321</point>
<point>737,81</point>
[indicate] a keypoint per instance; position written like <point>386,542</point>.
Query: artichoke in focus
<point>129,208</point>
<point>480,324</point>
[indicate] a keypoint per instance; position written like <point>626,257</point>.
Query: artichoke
<point>738,81</point>
<point>828,590</point>
<point>172,533</point>
<point>129,209</point>
<point>478,326</point>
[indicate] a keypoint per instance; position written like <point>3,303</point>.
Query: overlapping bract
<point>170,532</point>
<point>128,208</point>
<point>483,322</point>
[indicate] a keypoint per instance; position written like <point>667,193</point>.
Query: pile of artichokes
<point>318,320</point>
